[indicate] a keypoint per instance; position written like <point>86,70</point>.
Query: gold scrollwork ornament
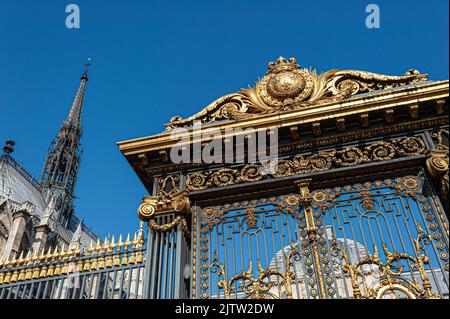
<point>148,208</point>
<point>437,165</point>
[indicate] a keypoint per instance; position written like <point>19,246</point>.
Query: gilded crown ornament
<point>282,64</point>
<point>287,86</point>
<point>285,83</point>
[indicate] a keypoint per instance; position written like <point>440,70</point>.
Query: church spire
<point>60,171</point>
<point>74,116</point>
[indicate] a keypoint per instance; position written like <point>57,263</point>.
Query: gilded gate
<point>380,239</point>
<point>356,205</point>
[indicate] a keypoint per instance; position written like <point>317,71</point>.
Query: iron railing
<point>106,270</point>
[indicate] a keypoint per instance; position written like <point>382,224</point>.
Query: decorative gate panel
<point>382,239</point>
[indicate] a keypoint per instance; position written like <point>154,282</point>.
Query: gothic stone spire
<point>60,170</point>
<point>74,116</point>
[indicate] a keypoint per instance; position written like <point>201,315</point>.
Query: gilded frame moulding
<point>322,161</point>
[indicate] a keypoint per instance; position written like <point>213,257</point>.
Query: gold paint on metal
<point>389,271</point>
<point>259,287</point>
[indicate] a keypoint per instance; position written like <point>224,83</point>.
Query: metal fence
<point>106,270</point>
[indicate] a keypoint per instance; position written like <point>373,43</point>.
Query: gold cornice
<point>359,104</point>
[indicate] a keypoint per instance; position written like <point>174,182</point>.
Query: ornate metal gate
<point>379,239</point>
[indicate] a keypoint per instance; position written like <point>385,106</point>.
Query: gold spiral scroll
<point>437,166</point>
<point>164,203</point>
<point>148,207</point>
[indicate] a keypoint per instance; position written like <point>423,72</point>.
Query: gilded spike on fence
<point>135,240</point>
<point>119,243</point>
<point>91,247</point>
<point>28,258</point>
<point>3,262</point>
<point>112,244</point>
<point>55,253</point>
<point>13,257</point>
<point>68,252</point>
<point>48,256</point>
<point>127,241</point>
<point>141,233</point>
<point>105,245</point>
<point>34,257</point>
<point>61,252</point>
<point>42,255</point>
<point>97,246</point>
<point>20,260</point>
<point>2,277</point>
<point>6,263</point>
<point>94,264</point>
<point>74,251</point>
<point>77,250</point>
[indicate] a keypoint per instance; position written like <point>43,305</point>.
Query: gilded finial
<point>35,256</point>
<point>49,254</point>
<point>91,247</point>
<point>61,252</point>
<point>135,241</point>
<point>20,260</point>
<point>140,235</point>
<point>119,243</point>
<point>55,253</point>
<point>105,245</point>
<point>112,244</point>
<point>97,246</point>
<point>28,257</point>
<point>127,241</point>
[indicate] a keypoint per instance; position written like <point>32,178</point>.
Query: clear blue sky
<point>156,59</point>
